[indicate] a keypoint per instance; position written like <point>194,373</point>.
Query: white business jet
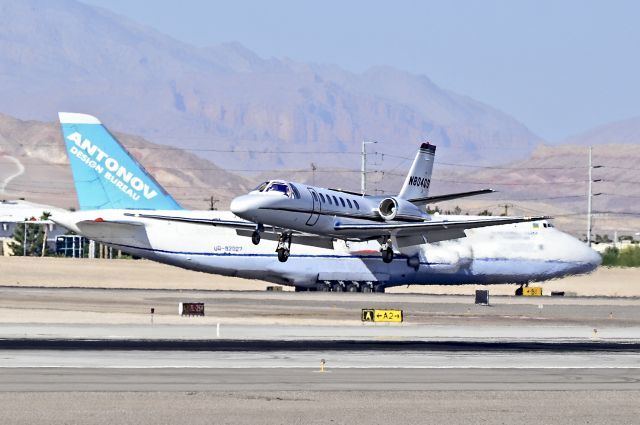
<point>401,221</point>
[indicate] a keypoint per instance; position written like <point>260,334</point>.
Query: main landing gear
<point>284,247</point>
<point>386,250</point>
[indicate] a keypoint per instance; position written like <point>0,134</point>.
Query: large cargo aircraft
<point>122,205</point>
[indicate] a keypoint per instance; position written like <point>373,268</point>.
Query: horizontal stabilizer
<point>433,199</point>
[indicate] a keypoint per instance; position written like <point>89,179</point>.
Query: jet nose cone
<point>241,205</point>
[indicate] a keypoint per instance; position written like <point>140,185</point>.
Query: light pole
<point>363,168</point>
<point>590,195</point>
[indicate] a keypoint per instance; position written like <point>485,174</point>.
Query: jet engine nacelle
<point>399,209</point>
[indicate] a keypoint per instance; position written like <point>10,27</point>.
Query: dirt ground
<point>69,272</point>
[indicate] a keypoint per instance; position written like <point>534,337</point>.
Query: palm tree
<point>45,216</point>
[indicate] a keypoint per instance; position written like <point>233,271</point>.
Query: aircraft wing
<point>246,228</point>
<point>195,220</point>
<point>427,231</point>
<point>449,196</point>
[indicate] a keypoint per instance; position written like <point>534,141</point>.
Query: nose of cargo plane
<point>586,258</point>
<point>594,259</point>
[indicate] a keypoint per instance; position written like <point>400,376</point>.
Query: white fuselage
<point>515,253</point>
<point>317,210</point>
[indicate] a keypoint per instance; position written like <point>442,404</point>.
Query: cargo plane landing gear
<point>345,286</point>
<point>284,247</point>
<point>520,290</point>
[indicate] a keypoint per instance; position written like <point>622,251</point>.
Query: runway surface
<point>298,379</point>
<point>91,356</point>
<point>306,396</point>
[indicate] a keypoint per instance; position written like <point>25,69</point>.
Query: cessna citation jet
<point>394,221</point>
<point>123,206</point>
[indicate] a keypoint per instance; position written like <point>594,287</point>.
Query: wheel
<point>366,288</point>
<point>322,287</point>
<point>255,237</point>
<point>387,255</point>
<point>336,287</point>
<point>283,255</point>
<point>352,287</point>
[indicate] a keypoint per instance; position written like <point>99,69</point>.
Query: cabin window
<point>329,199</point>
<point>356,204</point>
<point>261,186</point>
<point>315,197</point>
<point>321,197</point>
<point>342,201</point>
<point>349,202</point>
<point>336,201</point>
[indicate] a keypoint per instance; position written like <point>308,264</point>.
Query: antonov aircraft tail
<point>418,180</point>
<point>105,175</point>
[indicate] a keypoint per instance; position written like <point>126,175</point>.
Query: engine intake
<point>399,209</point>
<point>388,208</point>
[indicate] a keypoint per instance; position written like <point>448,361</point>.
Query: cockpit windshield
<point>261,187</point>
<point>278,186</point>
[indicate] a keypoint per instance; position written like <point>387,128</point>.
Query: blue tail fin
<point>105,175</point>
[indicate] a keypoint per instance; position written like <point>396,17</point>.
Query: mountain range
<point>63,55</point>
<point>212,122</point>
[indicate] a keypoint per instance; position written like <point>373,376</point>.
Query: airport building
<point>13,213</point>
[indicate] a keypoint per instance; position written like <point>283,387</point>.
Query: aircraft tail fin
<point>106,176</point>
<point>417,183</point>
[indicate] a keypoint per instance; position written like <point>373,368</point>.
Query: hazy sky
<point>560,66</point>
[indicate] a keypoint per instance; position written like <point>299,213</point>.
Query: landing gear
<point>323,286</point>
<point>352,287</point>
<point>255,236</point>
<point>284,247</point>
<point>387,255</point>
<point>338,287</point>
<point>366,287</point>
<point>386,250</point>
<point>345,286</point>
<point>283,254</point>
<point>520,290</point>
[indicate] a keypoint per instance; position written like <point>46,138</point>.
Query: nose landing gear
<point>284,247</point>
<point>255,236</point>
